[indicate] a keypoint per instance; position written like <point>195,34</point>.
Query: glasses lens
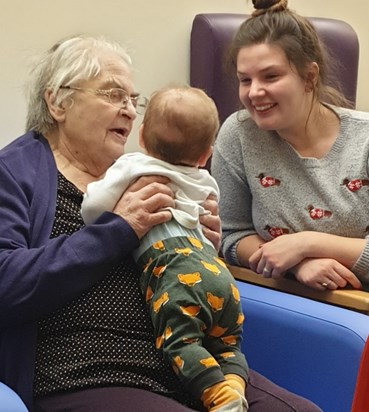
<point>118,97</point>
<point>140,104</point>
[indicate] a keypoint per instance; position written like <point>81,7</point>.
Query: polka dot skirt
<point>105,336</point>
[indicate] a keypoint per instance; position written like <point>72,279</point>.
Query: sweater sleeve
<point>36,280</point>
<point>235,197</point>
<point>361,266</point>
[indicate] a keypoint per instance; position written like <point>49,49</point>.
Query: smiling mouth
<point>264,108</point>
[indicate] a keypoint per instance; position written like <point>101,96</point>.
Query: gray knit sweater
<point>268,189</point>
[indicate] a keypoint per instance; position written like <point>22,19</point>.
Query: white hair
<point>68,62</point>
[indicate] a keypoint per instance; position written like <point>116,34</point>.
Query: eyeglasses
<point>117,97</point>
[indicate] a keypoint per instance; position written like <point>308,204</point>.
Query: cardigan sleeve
<point>36,279</point>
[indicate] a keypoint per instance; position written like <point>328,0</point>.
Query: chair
<point>357,300</point>
<point>211,35</point>
<point>10,401</point>
<point>316,350</point>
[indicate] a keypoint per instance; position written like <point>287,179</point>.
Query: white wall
<point>157,33</point>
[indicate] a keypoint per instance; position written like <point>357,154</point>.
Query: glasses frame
<point>138,102</point>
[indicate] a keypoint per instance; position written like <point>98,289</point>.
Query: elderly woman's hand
<point>142,203</point>
<point>211,224</point>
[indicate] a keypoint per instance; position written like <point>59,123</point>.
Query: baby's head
<point>180,126</point>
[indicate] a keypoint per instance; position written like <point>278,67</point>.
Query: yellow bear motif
<point>162,338</point>
<point>190,310</point>
<point>147,265</point>
<point>209,362</point>
<point>226,355</point>
<point>164,298</point>
<point>189,279</point>
<point>235,293</point>
<point>159,245</point>
<point>220,262</point>
<point>196,243</point>
<point>158,271</point>
<point>184,251</point>
<point>159,341</point>
<point>216,303</point>
<point>178,364</point>
<point>212,268</point>
<point>240,319</point>
<point>149,294</point>
<point>217,331</point>
<point>229,340</point>
<point>190,340</point>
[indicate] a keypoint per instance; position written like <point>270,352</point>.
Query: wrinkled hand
<point>275,257</point>
<point>325,273</point>
<point>211,224</point>
<point>142,203</point>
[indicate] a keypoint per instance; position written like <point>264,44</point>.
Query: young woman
<point>293,166</point>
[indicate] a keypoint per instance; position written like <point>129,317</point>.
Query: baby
<point>193,298</point>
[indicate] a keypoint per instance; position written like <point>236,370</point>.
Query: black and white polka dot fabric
<point>105,336</point>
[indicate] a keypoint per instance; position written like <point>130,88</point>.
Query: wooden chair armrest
<point>352,299</point>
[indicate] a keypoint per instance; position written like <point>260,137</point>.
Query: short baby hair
<point>180,124</point>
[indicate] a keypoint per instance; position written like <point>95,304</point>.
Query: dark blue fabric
<point>262,394</point>
<point>38,275</point>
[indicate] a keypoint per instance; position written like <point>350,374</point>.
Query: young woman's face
<point>271,89</point>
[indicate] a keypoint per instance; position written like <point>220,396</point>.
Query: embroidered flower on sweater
<point>267,181</point>
<point>354,185</point>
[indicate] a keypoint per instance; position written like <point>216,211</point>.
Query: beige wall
<point>157,33</point>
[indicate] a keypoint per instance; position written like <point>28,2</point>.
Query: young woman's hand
<point>274,258</point>
<point>325,273</point>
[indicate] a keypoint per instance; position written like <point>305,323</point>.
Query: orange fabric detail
<point>218,395</point>
<point>236,382</point>
<point>361,395</point>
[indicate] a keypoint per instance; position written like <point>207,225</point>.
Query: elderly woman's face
<point>94,130</point>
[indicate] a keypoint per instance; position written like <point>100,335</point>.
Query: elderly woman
<point>75,333</point>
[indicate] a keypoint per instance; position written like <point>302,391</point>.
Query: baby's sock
<point>221,397</point>
<point>236,382</point>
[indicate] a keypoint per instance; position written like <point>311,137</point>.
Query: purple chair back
<point>210,38</point>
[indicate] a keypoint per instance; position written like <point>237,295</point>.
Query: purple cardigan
<point>39,274</point>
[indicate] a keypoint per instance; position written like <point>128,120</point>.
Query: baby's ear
<point>140,137</point>
<point>205,156</point>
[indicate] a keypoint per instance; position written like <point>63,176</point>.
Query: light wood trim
<point>348,298</point>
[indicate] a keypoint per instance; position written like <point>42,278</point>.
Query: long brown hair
<point>273,23</point>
